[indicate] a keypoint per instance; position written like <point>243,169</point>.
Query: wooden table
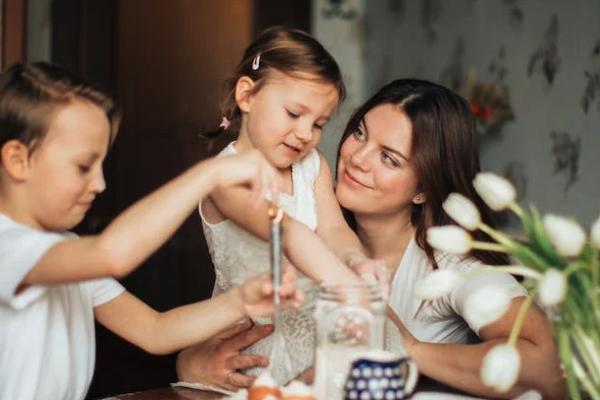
<point>178,393</point>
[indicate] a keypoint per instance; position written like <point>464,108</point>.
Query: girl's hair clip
<point>256,62</point>
<point>225,123</point>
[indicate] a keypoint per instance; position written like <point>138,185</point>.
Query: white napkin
<point>529,395</point>
<point>202,386</point>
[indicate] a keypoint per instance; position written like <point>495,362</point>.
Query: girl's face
<point>285,117</point>
<point>374,171</point>
<point>65,171</point>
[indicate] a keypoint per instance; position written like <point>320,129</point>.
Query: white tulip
<point>566,235</point>
<point>450,239</point>
<point>437,284</point>
<point>500,367</point>
<point>552,287</point>
<point>496,191</point>
<point>486,305</point>
<point>462,210</point>
<point>595,234</point>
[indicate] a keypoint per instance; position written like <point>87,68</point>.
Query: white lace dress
<point>238,255</point>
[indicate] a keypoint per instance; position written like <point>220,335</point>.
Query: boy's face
<point>285,117</point>
<point>65,170</point>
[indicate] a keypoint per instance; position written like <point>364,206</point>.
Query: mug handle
<point>413,375</point>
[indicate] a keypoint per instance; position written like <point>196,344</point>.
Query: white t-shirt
<point>47,339</point>
<point>441,320</point>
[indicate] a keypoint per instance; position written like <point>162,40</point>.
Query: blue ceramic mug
<point>380,376</point>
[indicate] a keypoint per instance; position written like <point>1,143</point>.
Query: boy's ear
<point>244,89</point>
<point>14,157</point>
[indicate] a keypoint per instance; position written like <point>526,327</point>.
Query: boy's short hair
<point>31,94</point>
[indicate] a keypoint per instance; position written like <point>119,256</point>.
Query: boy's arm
<point>144,227</point>
<point>164,333</point>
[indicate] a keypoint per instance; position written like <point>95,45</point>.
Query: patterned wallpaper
<point>546,53</point>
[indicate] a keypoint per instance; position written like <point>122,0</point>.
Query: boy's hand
<point>249,169</point>
<point>256,294</point>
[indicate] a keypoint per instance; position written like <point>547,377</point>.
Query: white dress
<point>238,255</point>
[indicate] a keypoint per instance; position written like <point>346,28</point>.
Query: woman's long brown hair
<point>444,155</point>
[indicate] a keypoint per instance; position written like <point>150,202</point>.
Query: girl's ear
<point>419,198</point>
<point>14,157</point>
<point>244,89</point>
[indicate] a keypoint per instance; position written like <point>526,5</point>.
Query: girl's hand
<point>250,169</point>
<point>256,294</point>
<point>372,271</point>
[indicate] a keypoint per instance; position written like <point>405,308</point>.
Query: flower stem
<point>519,270</point>
<point>516,329</point>
<point>516,209</point>
<point>497,236</point>
<point>488,246</point>
<point>564,348</point>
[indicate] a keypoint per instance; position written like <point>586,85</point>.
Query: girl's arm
<point>459,365</point>
<point>164,333</point>
<point>301,245</point>
<point>145,226</point>
<point>333,228</point>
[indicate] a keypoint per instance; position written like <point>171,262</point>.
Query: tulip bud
<point>450,239</point>
<point>437,284</point>
<point>496,191</point>
<point>462,210</point>
<point>566,235</point>
<point>500,367</point>
<point>552,287</point>
<point>486,305</point>
<point>595,235</point>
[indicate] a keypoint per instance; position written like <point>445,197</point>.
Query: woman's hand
<point>218,362</point>
<point>256,294</point>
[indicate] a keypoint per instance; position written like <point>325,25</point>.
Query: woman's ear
<point>14,157</point>
<point>244,89</point>
<point>419,198</point>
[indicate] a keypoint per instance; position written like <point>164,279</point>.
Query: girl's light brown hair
<point>286,50</point>
<point>31,94</point>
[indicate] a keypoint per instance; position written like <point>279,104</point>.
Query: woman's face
<point>375,175</point>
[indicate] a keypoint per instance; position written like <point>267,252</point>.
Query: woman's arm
<point>164,333</point>
<point>459,365</point>
<point>145,226</point>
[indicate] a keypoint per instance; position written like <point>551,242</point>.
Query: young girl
<point>55,131</point>
<point>279,98</point>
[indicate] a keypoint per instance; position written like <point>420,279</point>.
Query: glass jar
<point>350,321</point>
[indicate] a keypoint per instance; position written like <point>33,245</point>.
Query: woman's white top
<point>238,255</point>
<point>442,320</point>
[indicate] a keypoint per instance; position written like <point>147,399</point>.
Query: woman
<point>400,156</point>
<point>402,153</point>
